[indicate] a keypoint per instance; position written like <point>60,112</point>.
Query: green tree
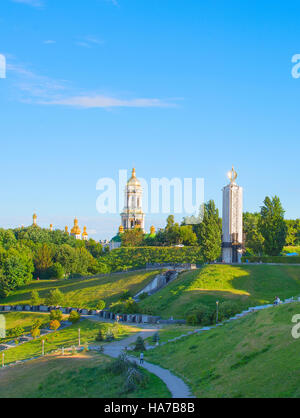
<point>74,317</point>
<point>101,305</point>
<point>43,260</point>
<point>56,315</point>
<point>133,238</point>
<point>56,271</point>
<point>272,226</point>
<point>209,232</point>
<point>55,298</point>
<point>139,344</point>
<point>254,239</point>
<point>35,298</point>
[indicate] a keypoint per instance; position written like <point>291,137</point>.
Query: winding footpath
<point>176,386</point>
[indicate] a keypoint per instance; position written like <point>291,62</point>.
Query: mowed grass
<point>79,376</point>
<point>23,320</point>
<point>253,285</point>
<point>85,293</point>
<point>252,357</point>
<point>67,338</point>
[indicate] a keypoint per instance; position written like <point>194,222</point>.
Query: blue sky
<point>176,88</point>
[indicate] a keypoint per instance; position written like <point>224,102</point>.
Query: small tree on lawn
<point>100,336</point>
<point>139,344</point>
<point>56,315</point>
<point>74,317</point>
<point>110,336</point>
<point>54,325</point>
<point>101,305</point>
<point>35,298</point>
<point>55,298</point>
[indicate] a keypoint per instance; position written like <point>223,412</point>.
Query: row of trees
<point>266,232</point>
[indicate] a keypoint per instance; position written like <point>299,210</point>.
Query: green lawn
<point>80,376</point>
<point>85,293</point>
<point>23,320</point>
<point>252,357</point>
<point>66,338</point>
<point>253,285</point>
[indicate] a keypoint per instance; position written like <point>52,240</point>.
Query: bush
<point>15,332</point>
<point>109,336</point>
<point>200,314</point>
<point>273,259</point>
<point>56,315</point>
<point>56,271</point>
<point>55,298</point>
<point>143,296</point>
<point>101,305</point>
<point>100,336</point>
<point>35,298</point>
<point>54,325</point>
<point>139,344</point>
<point>35,333</point>
<point>74,317</point>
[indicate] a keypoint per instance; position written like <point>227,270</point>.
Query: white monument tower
<point>133,215</point>
<point>232,221</point>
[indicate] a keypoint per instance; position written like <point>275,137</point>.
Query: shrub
<point>35,298</point>
<point>200,314</point>
<point>139,344</point>
<point>56,315</point>
<point>100,336</point>
<point>55,298</point>
<point>109,336</point>
<point>56,271</point>
<point>273,259</point>
<point>15,332</point>
<point>54,325</point>
<point>143,296</point>
<point>35,332</point>
<point>101,305</point>
<point>74,317</point>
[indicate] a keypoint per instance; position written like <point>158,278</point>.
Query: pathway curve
<point>176,386</point>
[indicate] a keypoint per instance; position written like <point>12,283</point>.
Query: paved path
<point>176,386</point>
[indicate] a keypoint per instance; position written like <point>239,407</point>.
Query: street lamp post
<point>217,303</point>
<point>43,347</point>
<point>79,337</point>
<point>3,356</point>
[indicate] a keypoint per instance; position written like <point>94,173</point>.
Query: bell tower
<point>133,215</point>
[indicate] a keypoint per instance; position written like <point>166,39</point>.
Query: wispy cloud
<point>89,41</point>
<point>31,87</point>
<point>33,3</point>
<point>100,101</point>
<point>49,42</point>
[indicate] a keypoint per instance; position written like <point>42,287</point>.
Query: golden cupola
<point>121,230</point>
<point>85,234</point>
<point>51,227</point>
<point>152,230</point>
<point>133,181</point>
<point>66,230</point>
<point>34,219</point>
<point>76,230</point>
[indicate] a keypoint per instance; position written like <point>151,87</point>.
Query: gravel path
<point>175,385</point>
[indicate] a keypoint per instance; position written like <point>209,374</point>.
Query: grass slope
<point>252,357</point>
<point>80,376</point>
<point>253,284</point>
<point>66,338</point>
<point>85,293</point>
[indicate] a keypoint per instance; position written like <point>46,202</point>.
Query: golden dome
<point>76,230</point>
<point>121,230</point>
<point>51,227</point>
<point>84,234</point>
<point>66,230</point>
<point>152,230</point>
<point>133,181</point>
<point>34,219</point>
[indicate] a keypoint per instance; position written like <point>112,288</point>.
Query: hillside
<point>253,285</point>
<point>252,357</point>
<point>85,293</point>
<point>79,376</point>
